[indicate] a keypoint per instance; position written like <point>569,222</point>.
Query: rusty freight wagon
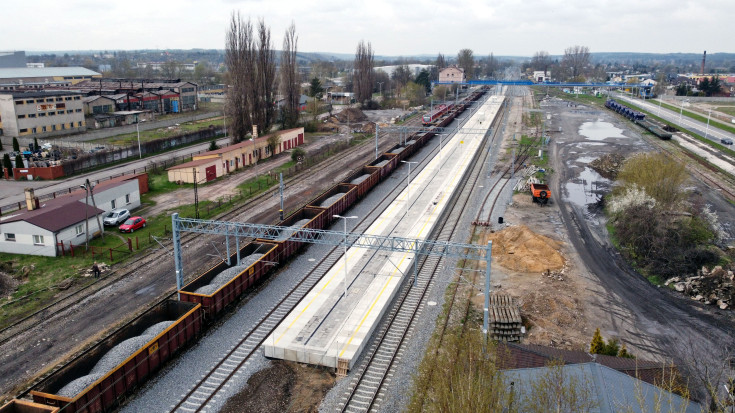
<point>216,290</point>
<point>364,180</point>
<point>335,201</point>
<point>306,217</point>
<point>98,379</point>
<point>386,163</point>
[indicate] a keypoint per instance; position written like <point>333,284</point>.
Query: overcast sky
<point>397,27</point>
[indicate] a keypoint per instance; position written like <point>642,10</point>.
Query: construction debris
<point>350,115</point>
<point>711,287</point>
<point>608,165</point>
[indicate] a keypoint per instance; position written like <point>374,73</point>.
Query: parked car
<point>726,141</point>
<point>116,217</point>
<point>132,224</point>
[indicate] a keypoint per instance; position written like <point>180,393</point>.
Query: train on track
<point>638,118</point>
<point>435,114</point>
<point>101,377</point>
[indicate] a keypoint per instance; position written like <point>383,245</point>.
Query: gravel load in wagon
<point>220,280</point>
<point>329,201</point>
<point>286,233</point>
<point>382,163</point>
<point>360,179</point>
<point>397,150</point>
<point>112,358</point>
<point>409,143</point>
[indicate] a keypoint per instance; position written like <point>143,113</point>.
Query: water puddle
<point>599,131</point>
<point>587,188</point>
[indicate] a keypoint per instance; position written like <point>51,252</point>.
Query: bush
<point>297,153</point>
<point>370,105</point>
<point>311,126</point>
<point>213,145</point>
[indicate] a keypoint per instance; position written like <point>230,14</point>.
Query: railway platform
<point>335,320</point>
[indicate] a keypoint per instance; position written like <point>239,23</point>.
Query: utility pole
<point>94,204</point>
<point>280,188</point>
<point>196,194</point>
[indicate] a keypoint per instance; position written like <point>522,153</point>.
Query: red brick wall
<point>51,172</point>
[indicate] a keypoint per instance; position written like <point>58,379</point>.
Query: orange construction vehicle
<point>541,193</point>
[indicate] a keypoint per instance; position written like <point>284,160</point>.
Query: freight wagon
<point>386,163</point>
<point>364,180</point>
<point>216,290</point>
<point>335,201</point>
<point>306,217</point>
<point>99,379</point>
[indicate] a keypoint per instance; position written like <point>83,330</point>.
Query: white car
<point>116,217</point>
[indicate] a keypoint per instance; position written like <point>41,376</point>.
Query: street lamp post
<point>344,219</point>
<point>408,187</point>
<point>706,132</point>
<point>681,110</point>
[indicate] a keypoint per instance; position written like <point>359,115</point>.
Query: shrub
<point>297,153</point>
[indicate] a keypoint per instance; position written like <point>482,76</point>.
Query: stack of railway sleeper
<point>504,318</point>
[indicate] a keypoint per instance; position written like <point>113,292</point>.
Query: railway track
<point>206,390</point>
<point>72,299</point>
<point>365,390</point>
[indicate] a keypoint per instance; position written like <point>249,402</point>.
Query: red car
<point>132,224</point>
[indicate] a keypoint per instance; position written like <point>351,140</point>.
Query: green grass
<point>158,133</point>
<point>39,281</point>
<point>730,110</point>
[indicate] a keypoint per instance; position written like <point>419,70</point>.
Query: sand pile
<point>518,248</point>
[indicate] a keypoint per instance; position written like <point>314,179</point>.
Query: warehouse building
<point>48,75</point>
<point>213,164</point>
<point>41,114</point>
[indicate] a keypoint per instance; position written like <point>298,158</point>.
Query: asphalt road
<point>656,322</point>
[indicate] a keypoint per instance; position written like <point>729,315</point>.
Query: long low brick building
<point>213,164</point>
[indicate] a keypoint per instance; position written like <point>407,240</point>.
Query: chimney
<point>255,131</point>
<point>704,57</point>
<point>31,201</point>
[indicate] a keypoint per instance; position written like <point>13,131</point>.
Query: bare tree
<point>252,69</point>
<point>575,60</point>
<point>238,50</point>
<point>364,74</point>
<point>541,60</point>
<point>402,75</point>
<point>491,66</point>
<point>466,60</point>
<point>290,78</point>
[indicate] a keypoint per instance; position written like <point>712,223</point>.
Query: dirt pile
<point>351,115</point>
<point>608,165</point>
<point>711,287</point>
<point>518,248</point>
<point>283,387</point>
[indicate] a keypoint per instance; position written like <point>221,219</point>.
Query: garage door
<point>211,172</point>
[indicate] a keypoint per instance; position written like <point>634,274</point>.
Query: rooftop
<point>22,72</point>
<point>38,94</point>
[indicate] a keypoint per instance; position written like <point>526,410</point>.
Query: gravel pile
<point>112,358</point>
<point>359,179</point>
<point>296,226</point>
<point>75,386</point>
<point>219,280</point>
<point>381,163</point>
<point>329,201</point>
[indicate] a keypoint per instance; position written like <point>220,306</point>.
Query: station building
<point>452,74</point>
<point>41,114</point>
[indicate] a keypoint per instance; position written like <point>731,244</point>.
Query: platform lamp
<point>344,219</point>
<point>408,187</point>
